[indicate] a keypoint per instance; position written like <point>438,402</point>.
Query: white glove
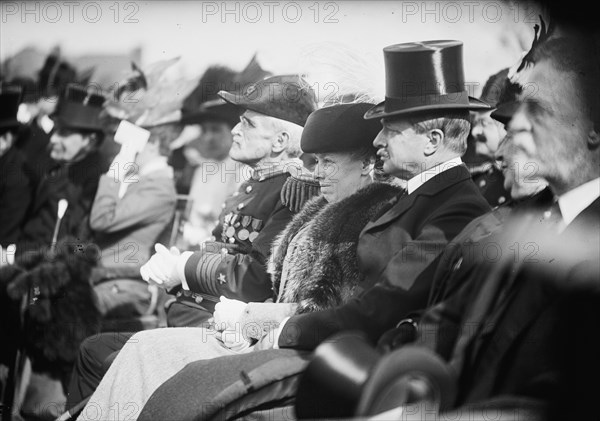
<point>228,314</point>
<point>234,340</point>
<point>7,255</point>
<point>161,269</point>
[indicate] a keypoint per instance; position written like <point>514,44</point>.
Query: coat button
<point>198,299</point>
<point>241,206</point>
<point>482,183</point>
<point>248,189</point>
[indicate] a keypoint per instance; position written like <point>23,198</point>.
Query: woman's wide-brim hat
<point>422,77</point>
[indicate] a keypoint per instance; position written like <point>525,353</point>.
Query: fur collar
<point>328,274</point>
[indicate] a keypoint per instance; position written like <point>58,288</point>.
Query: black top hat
<point>339,128</point>
<point>287,97</point>
<point>79,109</point>
<point>10,98</point>
<point>424,76</point>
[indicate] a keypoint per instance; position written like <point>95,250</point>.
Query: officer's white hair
<point>295,133</point>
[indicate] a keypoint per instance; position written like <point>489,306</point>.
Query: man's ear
<point>280,143</point>
<point>367,165</point>
<point>436,139</point>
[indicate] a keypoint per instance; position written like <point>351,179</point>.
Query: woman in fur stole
<point>313,265</point>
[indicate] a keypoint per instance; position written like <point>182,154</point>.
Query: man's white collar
<point>573,202</point>
<point>420,179</point>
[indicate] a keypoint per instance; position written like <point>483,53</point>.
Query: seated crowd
<point>391,280</point>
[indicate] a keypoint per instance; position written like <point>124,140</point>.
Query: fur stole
<point>327,275</point>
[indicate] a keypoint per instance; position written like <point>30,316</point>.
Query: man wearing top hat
<point>74,175</point>
<point>15,186</point>
<point>425,120</point>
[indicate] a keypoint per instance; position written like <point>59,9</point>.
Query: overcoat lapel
<point>430,188</point>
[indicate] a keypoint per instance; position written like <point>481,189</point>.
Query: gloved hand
<point>234,340</point>
<point>7,255</point>
<point>228,313</point>
<point>161,269</point>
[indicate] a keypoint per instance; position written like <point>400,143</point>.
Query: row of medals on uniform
<point>232,223</point>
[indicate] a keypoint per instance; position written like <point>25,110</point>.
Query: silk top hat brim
<point>422,77</point>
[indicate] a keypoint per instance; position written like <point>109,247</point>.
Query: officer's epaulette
<point>297,190</point>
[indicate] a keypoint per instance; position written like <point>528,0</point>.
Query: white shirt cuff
<point>278,332</point>
<point>180,268</point>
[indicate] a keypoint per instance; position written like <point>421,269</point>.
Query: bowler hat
<point>339,128</point>
<point>287,97</point>
<point>79,109</point>
<point>422,77</point>
<point>10,97</point>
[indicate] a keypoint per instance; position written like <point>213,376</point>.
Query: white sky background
<point>343,42</point>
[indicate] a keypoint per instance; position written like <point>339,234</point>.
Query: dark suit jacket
<point>462,271</point>
<point>77,182</point>
<point>15,195</point>
<point>397,254</point>
<point>514,338</point>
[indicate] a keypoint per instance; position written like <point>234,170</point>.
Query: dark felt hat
<point>214,110</point>
<point>78,108</point>
<point>287,97</point>
<point>339,128</point>
<point>424,76</point>
<point>502,94</point>
<point>493,88</point>
<point>203,103</point>
<point>10,98</point>
<point>55,75</point>
<point>504,112</point>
